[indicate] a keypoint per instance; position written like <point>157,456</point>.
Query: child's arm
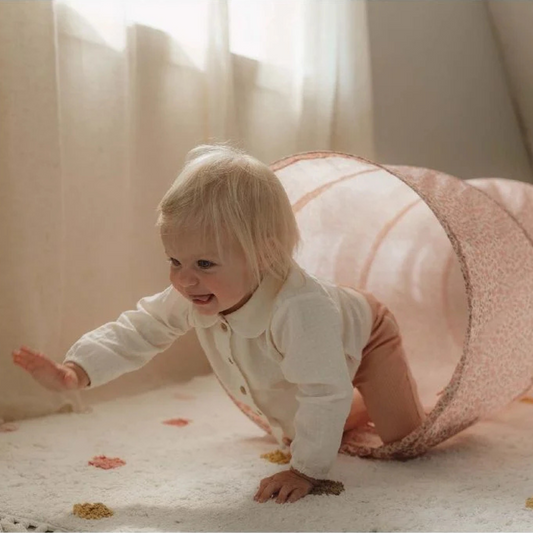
<point>114,348</point>
<point>308,333</point>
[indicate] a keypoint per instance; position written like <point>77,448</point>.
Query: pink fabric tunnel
<point>452,259</point>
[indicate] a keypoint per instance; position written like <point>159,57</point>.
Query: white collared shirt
<point>289,354</point>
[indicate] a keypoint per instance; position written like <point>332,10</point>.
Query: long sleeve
<point>133,339</point>
<point>307,331</point>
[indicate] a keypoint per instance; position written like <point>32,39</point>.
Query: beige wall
<point>440,91</point>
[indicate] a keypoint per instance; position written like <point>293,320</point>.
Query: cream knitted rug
<point>201,476</point>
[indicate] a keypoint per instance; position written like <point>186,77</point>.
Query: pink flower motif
<point>7,427</point>
<point>106,463</point>
<point>179,422</point>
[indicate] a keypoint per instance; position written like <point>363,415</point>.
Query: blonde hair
<point>225,192</point>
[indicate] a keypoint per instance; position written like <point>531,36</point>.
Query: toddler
<point>312,360</point>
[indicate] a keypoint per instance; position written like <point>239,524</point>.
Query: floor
<point>200,473</point>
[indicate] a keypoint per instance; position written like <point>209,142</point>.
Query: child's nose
<point>186,278</point>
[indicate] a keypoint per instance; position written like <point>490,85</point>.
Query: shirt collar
<point>197,320</point>
<point>252,318</point>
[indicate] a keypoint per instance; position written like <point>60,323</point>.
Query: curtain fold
<point>31,207</point>
<point>511,24</point>
<point>219,74</point>
<point>99,103</point>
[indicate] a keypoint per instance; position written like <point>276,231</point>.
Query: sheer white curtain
<point>99,103</point>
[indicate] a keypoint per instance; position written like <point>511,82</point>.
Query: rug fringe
<point>12,524</point>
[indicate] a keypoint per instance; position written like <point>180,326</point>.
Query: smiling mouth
<point>200,300</point>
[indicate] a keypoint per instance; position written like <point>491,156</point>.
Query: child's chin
<point>210,309</point>
<point>207,312</point>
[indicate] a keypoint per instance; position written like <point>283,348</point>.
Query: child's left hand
<point>289,486</point>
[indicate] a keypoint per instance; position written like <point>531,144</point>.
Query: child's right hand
<point>48,373</point>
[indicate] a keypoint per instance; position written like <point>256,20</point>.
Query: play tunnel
<point>452,259</point>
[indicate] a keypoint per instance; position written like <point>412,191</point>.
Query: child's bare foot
<point>48,373</point>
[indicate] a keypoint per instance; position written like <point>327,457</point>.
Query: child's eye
<point>204,264</point>
<point>173,262</point>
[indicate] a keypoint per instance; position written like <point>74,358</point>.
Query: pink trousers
<point>384,389</point>
<point>384,379</point>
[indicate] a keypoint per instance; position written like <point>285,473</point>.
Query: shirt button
<point>231,360</point>
<point>224,327</point>
<point>243,390</point>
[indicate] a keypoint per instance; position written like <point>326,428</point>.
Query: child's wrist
<point>310,479</point>
<point>83,378</point>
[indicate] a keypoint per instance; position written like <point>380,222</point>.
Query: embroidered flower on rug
<point>277,457</point>
<point>92,511</point>
<point>327,486</point>
<point>101,461</point>
<point>179,422</point>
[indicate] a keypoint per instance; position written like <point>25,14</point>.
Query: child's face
<point>213,283</point>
